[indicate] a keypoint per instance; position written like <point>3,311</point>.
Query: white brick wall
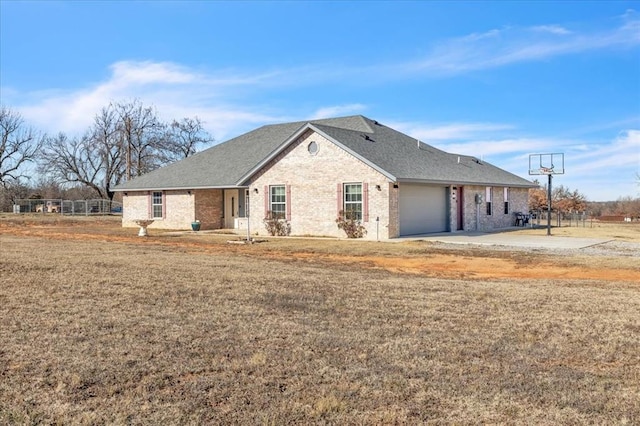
<point>518,202</point>
<point>180,210</point>
<point>313,180</point>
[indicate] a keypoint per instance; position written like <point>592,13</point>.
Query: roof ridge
<point>356,123</point>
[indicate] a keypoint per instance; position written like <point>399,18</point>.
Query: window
<point>278,201</point>
<point>488,200</point>
<point>313,147</point>
<point>506,200</point>
<point>353,201</point>
<point>157,205</point>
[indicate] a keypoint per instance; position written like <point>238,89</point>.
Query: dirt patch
<point>457,267</point>
<point>432,262</point>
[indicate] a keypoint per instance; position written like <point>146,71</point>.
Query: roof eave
<point>469,183</point>
<point>180,188</point>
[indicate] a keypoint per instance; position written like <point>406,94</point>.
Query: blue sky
<point>497,80</point>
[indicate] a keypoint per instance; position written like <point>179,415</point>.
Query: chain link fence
<point>68,207</point>
<point>539,218</point>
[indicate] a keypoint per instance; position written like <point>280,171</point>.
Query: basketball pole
<point>544,164</point>
<point>549,206</point>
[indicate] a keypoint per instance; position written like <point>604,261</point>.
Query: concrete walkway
<point>508,239</point>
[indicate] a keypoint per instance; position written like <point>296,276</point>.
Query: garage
<point>422,209</point>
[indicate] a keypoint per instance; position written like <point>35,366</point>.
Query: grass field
<point>99,326</point>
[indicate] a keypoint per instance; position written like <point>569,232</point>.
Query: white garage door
<point>423,209</point>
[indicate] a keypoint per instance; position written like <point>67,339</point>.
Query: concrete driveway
<point>508,239</point>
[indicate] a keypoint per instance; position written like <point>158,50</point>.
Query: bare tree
<point>141,132</point>
<point>149,143</point>
<point>11,192</point>
<point>95,160</point>
<point>126,140</point>
<point>627,206</point>
<point>183,139</point>
<point>19,145</point>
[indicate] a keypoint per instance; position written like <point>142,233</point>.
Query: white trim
<point>279,203</point>
<point>154,205</point>
<point>361,202</point>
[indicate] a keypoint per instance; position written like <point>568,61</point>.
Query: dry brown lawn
<point>99,326</point>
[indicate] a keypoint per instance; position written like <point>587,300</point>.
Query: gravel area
<point>610,248</point>
<point>613,248</point>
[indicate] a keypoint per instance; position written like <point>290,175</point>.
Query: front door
<point>230,208</point>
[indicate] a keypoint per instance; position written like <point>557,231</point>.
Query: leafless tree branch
<point>19,145</point>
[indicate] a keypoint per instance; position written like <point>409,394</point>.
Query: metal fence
<point>561,218</point>
<point>68,207</point>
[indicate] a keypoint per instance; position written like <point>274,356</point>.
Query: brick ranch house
<point>309,171</point>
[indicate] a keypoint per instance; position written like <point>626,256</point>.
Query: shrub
<point>276,226</point>
<point>350,225</point>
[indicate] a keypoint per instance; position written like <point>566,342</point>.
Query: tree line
<point>565,200</point>
<point>562,199</point>
<point>125,140</point>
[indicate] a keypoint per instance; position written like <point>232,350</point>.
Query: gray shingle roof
<point>398,156</point>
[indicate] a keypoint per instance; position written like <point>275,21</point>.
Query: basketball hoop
<point>545,164</point>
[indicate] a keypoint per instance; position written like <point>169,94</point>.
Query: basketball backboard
<point>546,164</point>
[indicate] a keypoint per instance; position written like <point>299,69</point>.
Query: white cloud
<point>621,153</point>
<point>174,90</point>
<point>489,148</point>
<point>553,29</point>
<point>449,131</point>
<point>500,47</point>
<point>127,73</point>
